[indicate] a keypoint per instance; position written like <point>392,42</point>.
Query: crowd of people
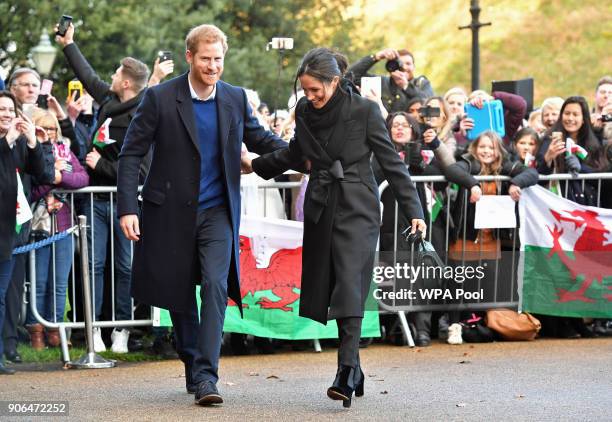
<point>77,144</point>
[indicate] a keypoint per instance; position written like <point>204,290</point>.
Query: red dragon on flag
<point>591,254</point>
<point>282,276</point>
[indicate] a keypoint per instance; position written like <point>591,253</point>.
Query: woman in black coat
<point>20,153</point>
<point>336,132</point>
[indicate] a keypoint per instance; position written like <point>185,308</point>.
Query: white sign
<point>495,212</point>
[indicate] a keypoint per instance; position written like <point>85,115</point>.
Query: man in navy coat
<point>188,230</point>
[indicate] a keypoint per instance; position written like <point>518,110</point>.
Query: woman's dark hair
<point>414,101</point>
<point>261,107</point>
<point>8,94</point>
<point>527,131</point>
<point>586,138</point>
<point>416,128</point>
<point>323,64</point>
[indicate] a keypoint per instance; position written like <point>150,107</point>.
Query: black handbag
<point>473,330</point>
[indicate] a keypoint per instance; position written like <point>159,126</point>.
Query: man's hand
<point>68,38</point>
<point>160,71</point>
<point>418,224</point>
<point>400,78</point>
<point>387,53</point>
<point>92,159</point>
<point>130,226</point>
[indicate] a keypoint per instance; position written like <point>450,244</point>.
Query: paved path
<point>542,380</point>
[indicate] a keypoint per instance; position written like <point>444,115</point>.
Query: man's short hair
<point>19,72</point>
<point>136,71</point>
<point>604,81</point>
<point>404,52</point>
<point>209,34</point>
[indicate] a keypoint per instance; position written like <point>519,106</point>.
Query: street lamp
<point>44,54</point>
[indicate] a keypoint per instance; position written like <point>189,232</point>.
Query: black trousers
<point>349,332</point>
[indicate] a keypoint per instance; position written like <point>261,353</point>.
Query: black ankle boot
<point>343,386</point>
<point>359,382</point>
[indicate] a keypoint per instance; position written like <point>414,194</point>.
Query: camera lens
<point>393,65</point>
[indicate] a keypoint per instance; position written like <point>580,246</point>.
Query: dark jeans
<point>14,302</point>
<point>100,229</point>
<point>52,271</point>
<point>6,269</point>
<point>198,343</point>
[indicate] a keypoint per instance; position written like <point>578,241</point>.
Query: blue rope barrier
<point>42,243</point>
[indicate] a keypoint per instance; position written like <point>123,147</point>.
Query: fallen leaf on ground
<point>465,361</point>
<point>253,374</point>
<point>229,383</point>
<point>460,404</point>
<point>520,396</point>
<point>270,377</point>
<point>384,392</point>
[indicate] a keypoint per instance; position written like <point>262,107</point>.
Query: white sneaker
<point>120,341</point>
<point>99,345</point>
<point>454,334</point>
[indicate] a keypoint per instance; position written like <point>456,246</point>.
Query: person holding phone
<point>163,66</point>
<point>401,85</point>
<point>20,153</point>
<point>118,103</point>
<point>336,132</point>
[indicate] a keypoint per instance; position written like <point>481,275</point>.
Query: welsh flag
<point>24,213</point>
<point>270,281</point>
<point>566,256</point>
<point>572,147</point>
<point>530,160</point>
<point>102,136</point>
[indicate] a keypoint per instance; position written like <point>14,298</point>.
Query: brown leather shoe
<point>37,337</point>
<point>53,337</point>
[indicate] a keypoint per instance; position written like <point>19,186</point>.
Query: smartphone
<point>164,56</point>
<point>75,86</point>
<point>64,24</point>
<point>46,86</point>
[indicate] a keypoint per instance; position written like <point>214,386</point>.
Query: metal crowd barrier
<point>401,307</point>
<point>87,194</point>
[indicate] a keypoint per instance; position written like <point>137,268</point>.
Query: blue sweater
<point>211,176</point>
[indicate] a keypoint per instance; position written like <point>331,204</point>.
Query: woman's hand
<point>465,124</point>
<point>429,135</point>
<point>515,192</point>
<point>556,147</point>
<point>24,126</point>
<point>418,224</point>
<point>246,166</point>
<point>61,165</point>
<point>477,102</point>
<point>55,107</point>
<point>475,194</point>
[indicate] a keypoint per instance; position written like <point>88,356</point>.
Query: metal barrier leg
<point>90,360</point>
<point>64,344</point>
<point>405,328</point>
<point>317,345</point>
